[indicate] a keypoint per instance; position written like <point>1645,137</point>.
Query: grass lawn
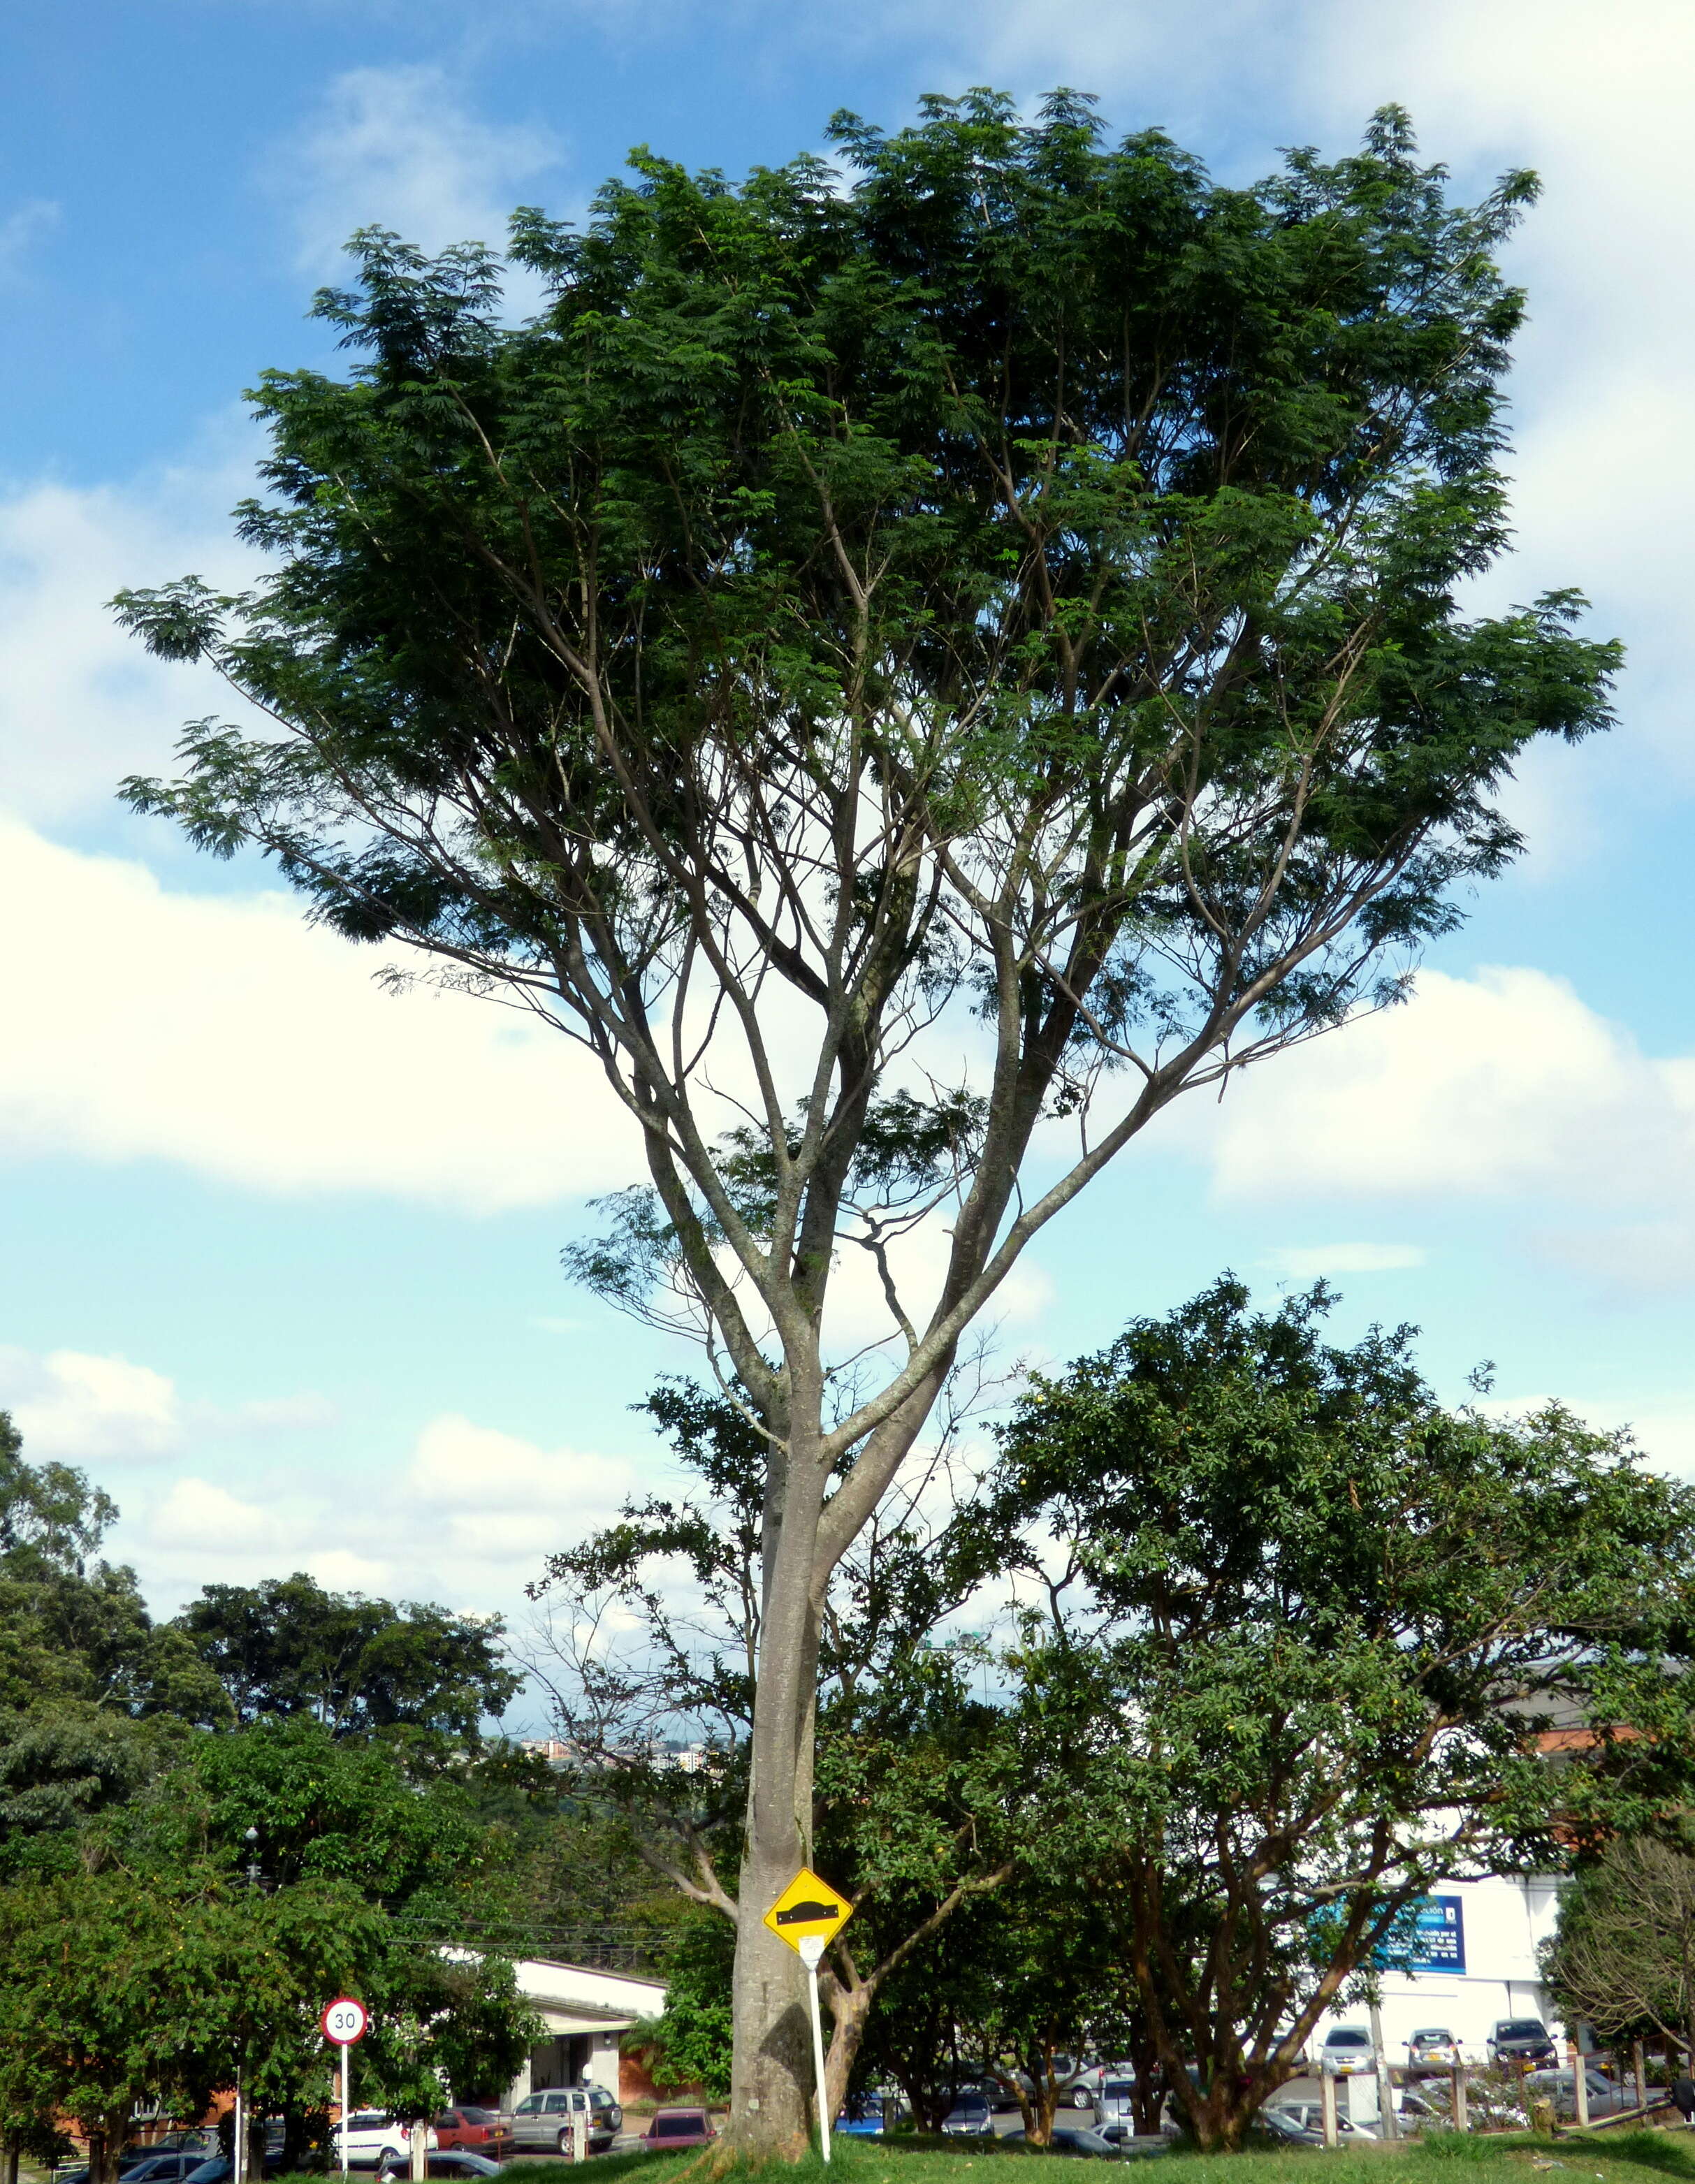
<point>1639,2156</point>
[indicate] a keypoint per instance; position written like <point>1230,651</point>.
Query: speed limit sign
<point>345,2021</point>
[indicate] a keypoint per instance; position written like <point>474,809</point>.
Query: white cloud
<point>82,703</point>
<point>223,1033</point>
<point>468,1518</point>
<point>399,148</point>
<point>72,1406</point>
<point>1306,1263</point>
<point>1503,1083</point>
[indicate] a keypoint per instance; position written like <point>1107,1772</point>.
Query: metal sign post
<point>812,1951</point>
<point>808,1915</point>
<point>343,2023</point>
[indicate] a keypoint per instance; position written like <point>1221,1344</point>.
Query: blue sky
<point>281,1262</point>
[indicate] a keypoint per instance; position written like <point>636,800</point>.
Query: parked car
<point>676,2128</point>
<point>1073,2139</point>
<point>970,2115</point>
<point>375,2140</point>
<point>483,2130</point>
<point>1084,2089</point>
<point>460,2162</point>
<point>1302,2123</point>
<point>157,2168</point>
<point>1435,2048</point>
<point>1560,2087</point>
<point>1347,2052</point>
<point>1116,2103</point>
<point>869,2115</point>
<point>544,2122</point>
<point>220,2169</point>
<point>1521,2040</point>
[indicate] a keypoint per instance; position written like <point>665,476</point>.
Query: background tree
<point>882,668</point>
<point>1325,1630</point>
<point>94,1697</point>
<point>1623,1957</point>
<point>359,1666</point>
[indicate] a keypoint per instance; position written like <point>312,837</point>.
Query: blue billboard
<point>1436,1931</point>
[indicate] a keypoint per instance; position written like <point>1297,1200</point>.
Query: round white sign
<point>345,2021</point>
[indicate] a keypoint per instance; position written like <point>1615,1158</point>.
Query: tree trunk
<point>256,2144</point>
<point>771,2077</point>
<point>8,2161</point>
<point>106,2143</point>
<point>849,2007</point>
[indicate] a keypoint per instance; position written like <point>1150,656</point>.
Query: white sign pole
<point>811,1949</point>
<point>238,2147</point>
<point>345,2021</point>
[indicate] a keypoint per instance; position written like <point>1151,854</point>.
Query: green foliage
<point>1322,1627</point>
<point>93,1695</point>
<point>691,2043</point>
<point>287,1647</point>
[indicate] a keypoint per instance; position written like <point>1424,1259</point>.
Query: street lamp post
<point>239,2151</point>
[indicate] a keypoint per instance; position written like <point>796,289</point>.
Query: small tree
<point>1337,1644</point>
<point>1623,1958</point>
<point>885,669</point>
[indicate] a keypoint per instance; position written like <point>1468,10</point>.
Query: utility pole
<point>1386,2083</point>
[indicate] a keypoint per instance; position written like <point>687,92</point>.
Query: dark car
<point>678,2127</point>
<point>483,2131</point>
<point>970,2115</point>
<point>1521,2040</point>
<point>1073,2139</point>
<point>162,2168</point>
<point>459,2161</point>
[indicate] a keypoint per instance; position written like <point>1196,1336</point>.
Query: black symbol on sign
<point>799,1914</point>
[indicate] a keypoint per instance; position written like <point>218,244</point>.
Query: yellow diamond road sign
<point>808,1906</point>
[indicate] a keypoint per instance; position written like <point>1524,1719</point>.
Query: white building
<point>1477,1963</point>
<point>586,2013</point>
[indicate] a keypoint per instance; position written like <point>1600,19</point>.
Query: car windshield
<point>1118,2089</point>
<point>1346,2036</point>
<point>676,2126</point>
<point>1436,2038</point>
<point>1524,2028</point>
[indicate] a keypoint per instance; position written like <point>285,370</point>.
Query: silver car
<point>545,2122</point>
<point>1560,2087</point>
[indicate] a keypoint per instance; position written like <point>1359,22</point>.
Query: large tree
<point>890,669</point>
<point>1338,1644</point>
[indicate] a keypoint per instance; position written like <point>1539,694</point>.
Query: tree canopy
<point>884,668</point>
<point>1338,1643</point>
<point>287,1646</point>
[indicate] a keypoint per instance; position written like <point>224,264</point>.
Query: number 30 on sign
<point>345,2021</point>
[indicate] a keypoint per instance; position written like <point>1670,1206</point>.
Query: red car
<point>678,2127</point>
<point>482,2131</point>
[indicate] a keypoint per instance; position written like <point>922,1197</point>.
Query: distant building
<point>586,2013</point>
<point>1476,1962</point>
